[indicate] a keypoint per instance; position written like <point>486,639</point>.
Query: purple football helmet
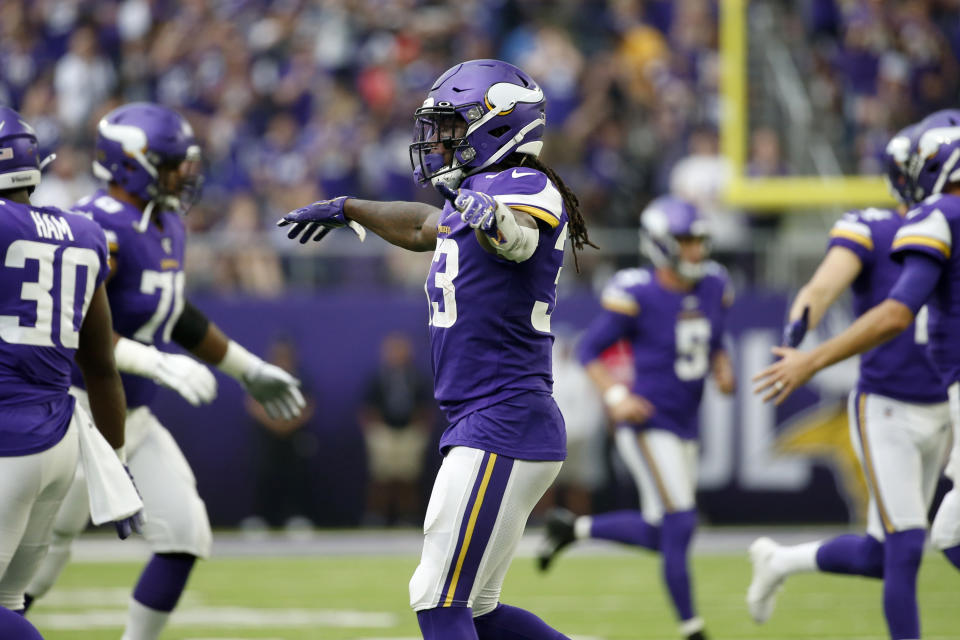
<point>936,154</point>
<point>20,163</point>
<point>896,159</point>
<point>480,112</point>
<point>661,224</point>
<point>149,151</point>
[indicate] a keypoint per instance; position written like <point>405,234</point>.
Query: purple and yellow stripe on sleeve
<point>918,241</point>
<point>852,236</point>
<point>537,212</point>
<point>479,520</point>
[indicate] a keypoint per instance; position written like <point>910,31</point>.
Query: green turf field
<point>586,596</point>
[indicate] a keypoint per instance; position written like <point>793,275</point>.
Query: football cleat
<point>766,582</point>
<point>559,535</point>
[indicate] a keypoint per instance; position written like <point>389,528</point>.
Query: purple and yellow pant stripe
<point>479,520</point>
<point>869,467</point>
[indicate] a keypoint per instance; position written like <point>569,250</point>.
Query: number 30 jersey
<point>146,288</point>
<point>51,263</point>
<point>673,336</point>
<point>490,319</point>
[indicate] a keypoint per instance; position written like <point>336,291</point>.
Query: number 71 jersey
<point>490,317</point>
<point>146,287</point>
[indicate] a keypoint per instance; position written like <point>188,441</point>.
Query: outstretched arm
<point>878,325</point>
<point>271,386</point>
<point>839,268</point>
<point>411,225</point>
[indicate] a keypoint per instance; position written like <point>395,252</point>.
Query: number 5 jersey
<point>673,336</point>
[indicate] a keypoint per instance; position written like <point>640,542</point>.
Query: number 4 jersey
<point>490,324</point>
<point>673,336</point>
<point>146,288</point>
<point>52,263</point>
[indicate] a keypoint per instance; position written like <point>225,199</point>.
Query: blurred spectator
<point>284,449</point>
<point>315,99</point>
<point>396,419</point>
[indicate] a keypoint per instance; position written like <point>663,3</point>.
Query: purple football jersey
<point>146,292</point>
<point>52,263</point>
<point>673,336</point>
<point>929,229</point>
<point>490,325</point>
<point>901,368</point>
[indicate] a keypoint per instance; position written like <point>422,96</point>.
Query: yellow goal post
<point>781,192</point>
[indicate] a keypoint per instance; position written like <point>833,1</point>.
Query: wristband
<point>237,361</point>
<point>615,395</point>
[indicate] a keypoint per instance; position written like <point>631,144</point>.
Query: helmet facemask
<point>440,148</point>
<point>179,181</point>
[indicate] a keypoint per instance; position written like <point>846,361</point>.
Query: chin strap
<point>145,218</point>
<point>50,158</point>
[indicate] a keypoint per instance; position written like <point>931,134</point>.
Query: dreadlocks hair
<point>578,228</point>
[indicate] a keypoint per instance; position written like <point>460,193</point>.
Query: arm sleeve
<point>917,280</point>
<point>852,233</point>
<point>191,327</point>
<point>605,330</point>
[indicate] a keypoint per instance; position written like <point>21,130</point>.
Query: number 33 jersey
<point>146,287</point>
<point>51,263</point>
<point>490,317</point>
<point>673,336</point>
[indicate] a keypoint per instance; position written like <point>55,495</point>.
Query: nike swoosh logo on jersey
<point>520,175</point>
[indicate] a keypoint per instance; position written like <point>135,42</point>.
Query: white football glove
<point>274,388</point>
<point>186,376</point>
<point>271,386</point>
<point>191,379</point>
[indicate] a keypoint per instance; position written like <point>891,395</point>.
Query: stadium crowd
<point>297,100</point>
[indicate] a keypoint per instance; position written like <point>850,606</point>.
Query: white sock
<point>144,623</point>
<point>796,559</point>
<point>581,527</point>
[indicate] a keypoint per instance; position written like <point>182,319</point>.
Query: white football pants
<point>175,517</point>
<point>901,448</point>
<point>945,532</point>
<point>664,468</point>
<point>31,491</point>
<point>476,515</point>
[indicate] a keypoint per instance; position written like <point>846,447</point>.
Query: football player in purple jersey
<point>930,275</point>
<point>53,312</point>
<point>673,316</point>
<point>498,246</point>
<point>899,418</point>
<point>150,159</point>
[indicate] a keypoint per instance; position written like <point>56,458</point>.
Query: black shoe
<point>697,635</point>
<point>559,535</point>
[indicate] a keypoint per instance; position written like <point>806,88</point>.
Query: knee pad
<point>423,585</point>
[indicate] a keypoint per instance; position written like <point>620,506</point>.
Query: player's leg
<point>945,533</point>
<point>467,512</point>
<point>628,526</point>
<point>71,520</point>
<point>30,496</point>
<point>670,465</point>
<point>14,625</point>
<point>496,621</point>
<point>176,526</point>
